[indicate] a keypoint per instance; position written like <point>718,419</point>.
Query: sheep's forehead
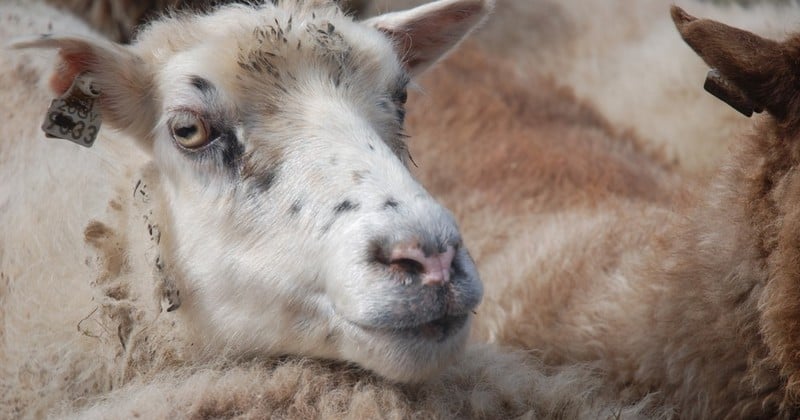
<point>270,48</point>
<point>280,52</point>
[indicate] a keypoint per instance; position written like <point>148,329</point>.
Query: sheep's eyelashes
<point>401,96</point>
<point>189,130</point>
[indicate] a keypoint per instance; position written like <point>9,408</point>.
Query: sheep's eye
<point>189,130</point>
<point>402,96</point>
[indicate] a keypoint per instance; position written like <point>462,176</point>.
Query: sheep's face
<point>293,225</point>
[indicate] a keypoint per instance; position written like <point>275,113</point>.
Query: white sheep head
<point>292,224</point>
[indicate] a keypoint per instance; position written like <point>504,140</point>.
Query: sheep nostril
<point>407,265</point>
<point>433,269</point>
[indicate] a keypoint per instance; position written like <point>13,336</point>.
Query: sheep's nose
<point>434,269</point>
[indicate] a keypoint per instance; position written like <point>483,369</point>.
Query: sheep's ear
<point>426,33</point>
<point>761,70</point>
<point>127,100</point>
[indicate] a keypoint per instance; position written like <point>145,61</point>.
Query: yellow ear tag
<point>75,115</point>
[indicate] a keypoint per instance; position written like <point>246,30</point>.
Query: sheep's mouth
<point>439,329</point>
<point>442,328</point>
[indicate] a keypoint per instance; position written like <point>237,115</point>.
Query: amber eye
<point>189,130</point>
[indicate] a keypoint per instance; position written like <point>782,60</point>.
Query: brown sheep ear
<point>760,69</point>
<point>127,100</point>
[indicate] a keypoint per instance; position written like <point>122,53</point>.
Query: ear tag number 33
<point>75,115</point>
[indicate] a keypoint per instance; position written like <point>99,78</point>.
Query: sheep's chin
<point>438,330</point>
<point>409,355</point>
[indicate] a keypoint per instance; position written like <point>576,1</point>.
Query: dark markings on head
<point>265,181</point>
<point>296,207</point>
<point>338,210</point>
<point>261,167</point>
<point>390,203</point>
<point>345,206</point>
<point>371,147</point>
<point>273,42</point>
<point>232,149</point>
<point>201,84</point>
<point>224,149</point>
<point>331,44</point>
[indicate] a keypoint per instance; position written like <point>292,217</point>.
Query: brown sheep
<point>595,250</point>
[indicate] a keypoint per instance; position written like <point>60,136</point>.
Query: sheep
<point>593,249</point>
<point>106,300</point>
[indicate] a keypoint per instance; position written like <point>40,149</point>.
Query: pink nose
<point>434,269</point>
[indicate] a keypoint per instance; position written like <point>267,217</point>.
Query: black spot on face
<point>338,210</point>
<point>345,206</point>
<point>390,204</point>
<point>371,147</point>
<point>266,180</point>
<point>296,207</point>
<point>261,169</point>
<point>201,84</point>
